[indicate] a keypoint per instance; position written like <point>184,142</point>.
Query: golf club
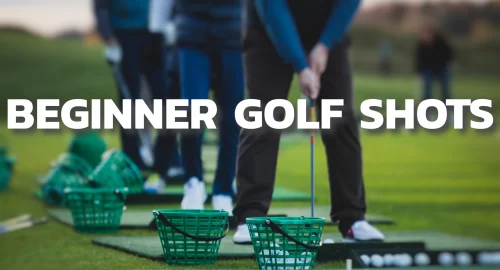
<point>311,102</point>
<point>21,223</point>
<point>146,142</point>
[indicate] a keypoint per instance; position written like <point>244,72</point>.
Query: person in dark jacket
<point>208,39</point>
<point>434,57</point>
<point>132,50</point>
<point>307,38</point>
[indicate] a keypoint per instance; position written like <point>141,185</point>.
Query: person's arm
<point>339,21</point>
<point>275,16</point>
<point>160,13</point>
<point>103,21</point>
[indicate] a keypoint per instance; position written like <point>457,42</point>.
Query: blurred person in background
<point>161,16</point>
<point>208,39</point>
<point>132,50</point>
<point>308,38</point>
<point>433,59</point>
<point>385,57</point>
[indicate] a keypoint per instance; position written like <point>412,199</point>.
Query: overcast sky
<point>48,17</point>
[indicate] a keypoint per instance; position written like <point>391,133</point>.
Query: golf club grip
<point>277,229</point>
<point>164,220</point>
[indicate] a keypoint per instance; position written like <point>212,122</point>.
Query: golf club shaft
<point>312,157</point>
<point>13,221</point>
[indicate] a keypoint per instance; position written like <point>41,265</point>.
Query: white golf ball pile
<point>289,263</point>
<point>387,260</point>
<point>488,258</point>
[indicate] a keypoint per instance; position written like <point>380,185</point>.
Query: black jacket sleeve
<point>102,17</point>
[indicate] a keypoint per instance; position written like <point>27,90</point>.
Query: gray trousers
<point>267,78</point>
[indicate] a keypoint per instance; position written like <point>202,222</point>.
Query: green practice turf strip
<point>141,219</point>
<point>173,194</point>
<point>150,247</point>
<point>324,211</point>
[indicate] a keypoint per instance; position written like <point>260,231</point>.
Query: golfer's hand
<point>309,83</point>
<point>318,58</point>
<point>113,52</point>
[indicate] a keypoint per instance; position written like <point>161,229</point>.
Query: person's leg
<point>267,77</point>
<point>131,70</point>
<point>445,79</point>
<point>342,144</point>
<point>154,70</point>
<point>427,79</point>
<point>231,91</point>
<point>195,66</point>
<point>174,91</point>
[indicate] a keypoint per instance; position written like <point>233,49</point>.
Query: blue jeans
<point>444,78</point>
<point>197,68</point>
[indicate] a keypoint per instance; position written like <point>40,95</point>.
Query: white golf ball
<point>388,259</point>
<point>483,258</point>
<point>463,258</point>
<point>495,258</point>
<point>402,260</point>
<point>446,258</point>
<point>328,241</point>
<point>422,259</point>
<point>377,260</point>
<point>366,259</point>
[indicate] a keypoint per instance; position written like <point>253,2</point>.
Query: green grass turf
<point>434,181</point>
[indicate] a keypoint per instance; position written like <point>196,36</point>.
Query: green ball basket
<point>88,146</point>
<point>96,210</point>
<point>117,170</point>
<point>283,243</point>
<point>191,237</point>
<point>69,171</point>
<point>5,176</point>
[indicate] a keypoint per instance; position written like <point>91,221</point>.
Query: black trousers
<point>267,78</point>
<point>143,55</point>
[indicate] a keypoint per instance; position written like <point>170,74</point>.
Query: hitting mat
<point>174,194</point>
<point>324,211</point>
<point>150,247</point>
<point>142,219</point>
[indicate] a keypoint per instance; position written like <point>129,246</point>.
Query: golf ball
<point>445,258</point>
<point>463,258</point>
<point>483,258</point>
<point>422,259</point>
<point>328,241</point>
<point>388,259</point>
<point>377,260</point>
<point>366,259</point>
<point>402,260</point>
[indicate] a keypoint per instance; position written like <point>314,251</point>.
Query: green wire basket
<point>191,237</point>
<point>96,210</point>
<point>285,242</point>
<point>68,171</point>
<point>117,170</point>
<point>5,176</point>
